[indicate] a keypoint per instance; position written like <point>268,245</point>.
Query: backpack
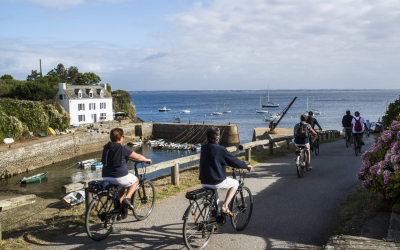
<point>357,125</point>
<point>302,131</point>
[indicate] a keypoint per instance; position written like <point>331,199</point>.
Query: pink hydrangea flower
<point>395,125</point>
<point>396,167</point>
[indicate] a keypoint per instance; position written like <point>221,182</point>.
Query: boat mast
<point>268,93</point>
<point>307,104</point>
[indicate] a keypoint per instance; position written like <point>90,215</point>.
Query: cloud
<point>69,3</point>
<point>239,44</point>
<point>155,56</point>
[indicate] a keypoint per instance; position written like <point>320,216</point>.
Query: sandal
<point>228,212</point>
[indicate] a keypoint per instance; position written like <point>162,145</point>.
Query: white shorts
<point>225,184</point>
<point>122,182</point>
<point>306,146</point>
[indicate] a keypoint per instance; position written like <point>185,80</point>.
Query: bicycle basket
<point>97,186</point>
<point>198,193</point>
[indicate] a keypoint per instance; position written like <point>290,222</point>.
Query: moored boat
<point>97,165</point>
<point>34,178</point>
<point>164,109</point>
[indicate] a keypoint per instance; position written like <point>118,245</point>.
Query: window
<point>91,94</point>
<point>92,106</point>
<point>81,107</point>
<point>101,93</point>
<point>80,94</point>
<point>102,105</point>
<point>81,118</point>
<point>103,116</point>
<point>61,97</point>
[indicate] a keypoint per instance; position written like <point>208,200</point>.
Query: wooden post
<point>271,148</point>
<point>319,139</point>
<point>175,174</point>
<point>330,133</point>
<point>88,198</point>
<point>327,134</point>
<point>288,143</point>
<point>248,155</point>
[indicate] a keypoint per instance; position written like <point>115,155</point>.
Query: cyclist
<point>301,131</point>
<point>346,123</point>
<point>358,124</point>
<point>213,161</point>
<point>367,125</point>
<point>114,160</point>
<point>312,121</point>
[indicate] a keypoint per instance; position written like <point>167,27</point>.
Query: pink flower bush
<point>380,171</point>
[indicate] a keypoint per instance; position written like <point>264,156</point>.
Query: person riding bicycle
<point>114,160</point>
<point>346,123</point>
<point>358,124</point>
<point>213,162</point>
<point>312,121</point>
<point>367,125</point>
<point>301,131</point>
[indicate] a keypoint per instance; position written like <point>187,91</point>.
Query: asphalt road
<point>289,212</point>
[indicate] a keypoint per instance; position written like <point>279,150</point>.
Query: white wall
<point>74,113</point>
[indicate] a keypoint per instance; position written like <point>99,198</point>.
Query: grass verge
<point>358,206</point>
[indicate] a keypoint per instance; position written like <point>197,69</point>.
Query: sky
<point>138,45</point>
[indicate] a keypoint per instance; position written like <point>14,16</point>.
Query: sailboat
<point>216,111</point>
<point>261,110</point>
<point>226,111</point>
<point>316,112</point>
<point>270,104</point>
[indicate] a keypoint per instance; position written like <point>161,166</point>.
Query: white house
<point>85,103</point>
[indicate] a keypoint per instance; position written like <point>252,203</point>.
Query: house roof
<point>73,91</point>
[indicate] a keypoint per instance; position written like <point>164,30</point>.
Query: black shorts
<point>358,134</point>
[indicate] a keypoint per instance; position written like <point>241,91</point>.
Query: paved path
<point>289,212</point>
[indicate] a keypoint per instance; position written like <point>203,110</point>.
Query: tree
<point>7,77</point>
<point>72,74</point>
<point>392,113</point>
<point>87,78</point>
<point>108,87</point>
<point>33,76</point>
<point>59,71</point>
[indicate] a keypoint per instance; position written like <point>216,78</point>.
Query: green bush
<point>58,118</point>
<point>392,114</point>
<point>11,127</point>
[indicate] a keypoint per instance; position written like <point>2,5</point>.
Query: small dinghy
<point>8,140</point>
<point>87,163</point>
<point>97,165</point>
<point>136,144</point>
<point>74,198</point>
<point>34,178</point>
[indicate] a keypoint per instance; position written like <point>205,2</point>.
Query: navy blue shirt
<point>118,171</point>
<point>214,159</point>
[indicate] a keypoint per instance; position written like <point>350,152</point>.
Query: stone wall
<point>23,159</point>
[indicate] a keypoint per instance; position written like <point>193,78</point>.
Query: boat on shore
<point>136,144</point>
<point>74,198</point>
<point>164,109</point>
<point>34,178</point>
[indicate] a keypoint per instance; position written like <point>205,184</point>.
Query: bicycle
<point>105,208</point>
<point>203,217</point>
<point>348,138</point>
<point>357,144</point>
<point>314,146</point>
<point>301,160</point>
<point>366,132</point>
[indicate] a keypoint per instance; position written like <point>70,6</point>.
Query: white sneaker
<point>309,168</point>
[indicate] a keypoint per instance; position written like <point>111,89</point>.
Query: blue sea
<point>242,104</point>
<point>331,103</point>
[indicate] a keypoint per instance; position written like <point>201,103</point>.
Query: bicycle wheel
<point>242,207</point>
<point>356,143</point>
<point>195,233</point>
<point>99,221</point>
<point>143,200</point>
<point>299,167</point>
<point>316,147</point>
<point>347,140</point>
